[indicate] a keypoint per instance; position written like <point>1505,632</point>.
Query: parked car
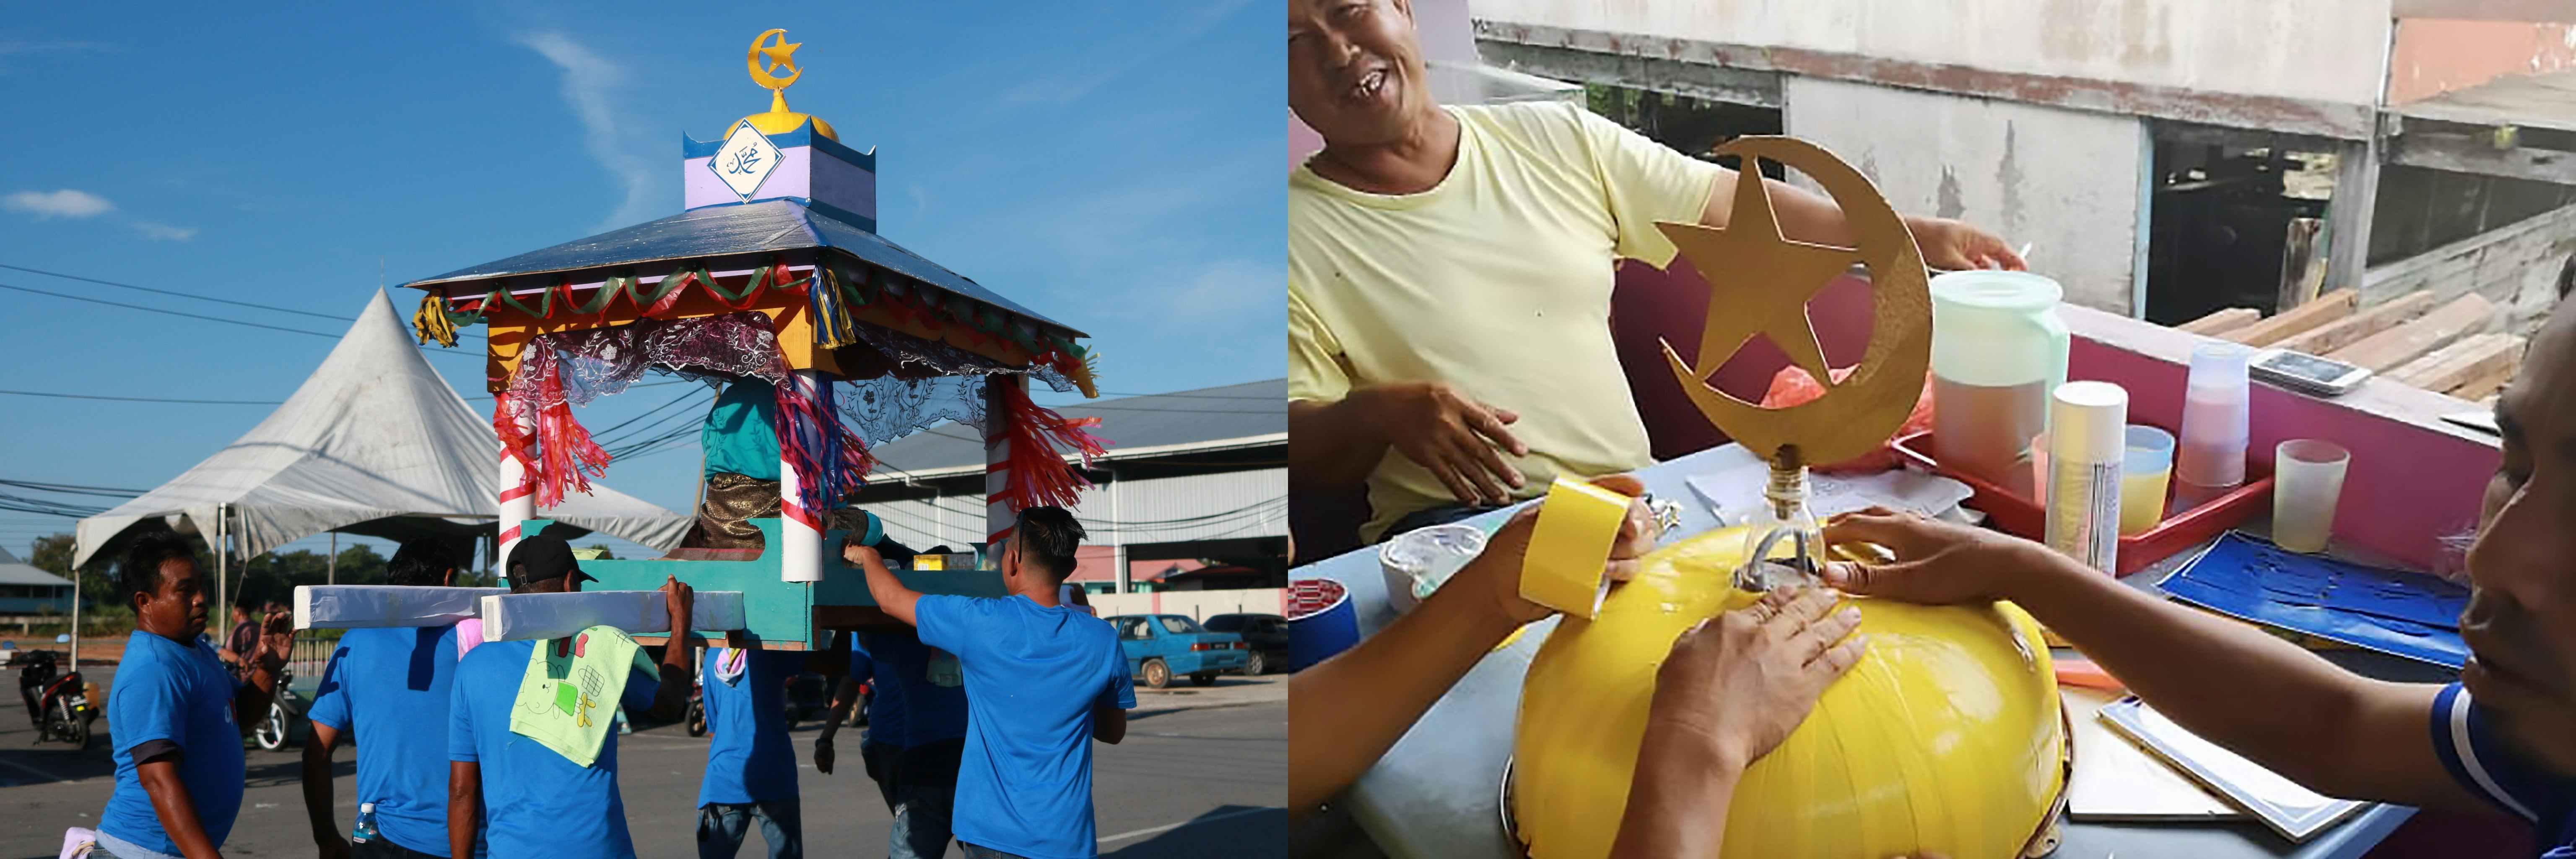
<point>1161,645</point>
<point>1266,633</point>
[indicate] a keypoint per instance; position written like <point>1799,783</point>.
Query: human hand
<point>1741,681</point>
<point>276,641</point>
<point>680,598</point>
<point>332,846</point>
<point>1937,562</point>
<point>1460,441</point>
<point>853,554</point>
<point>823,755</point>
<point>1951,245</point>
<point>1496,573</point>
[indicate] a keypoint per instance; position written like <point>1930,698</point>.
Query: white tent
<point>374,443</point>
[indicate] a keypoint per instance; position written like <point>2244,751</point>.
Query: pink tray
<point>2020,517</point>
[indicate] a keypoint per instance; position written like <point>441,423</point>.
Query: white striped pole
<point>518,492</point>
<point>800,531</point>
<point>998,515</point>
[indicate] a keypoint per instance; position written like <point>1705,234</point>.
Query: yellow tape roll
<point>1944,738</point>
<point>1569,546</point>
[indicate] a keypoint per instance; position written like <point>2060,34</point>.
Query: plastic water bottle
<point>944,670</point>
<point>366,830</point>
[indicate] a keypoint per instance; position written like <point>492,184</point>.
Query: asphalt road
<point>1186,783</point>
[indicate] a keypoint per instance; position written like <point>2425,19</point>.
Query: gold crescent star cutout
<point>1762,281</point>
<point>781,54</point>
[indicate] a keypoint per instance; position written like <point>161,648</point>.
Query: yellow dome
<point>780,120</point>
<point>1945,738</point>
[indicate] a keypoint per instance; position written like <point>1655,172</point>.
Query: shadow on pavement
<point>1227,830</point>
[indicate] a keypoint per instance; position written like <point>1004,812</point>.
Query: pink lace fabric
<point>598,362</point>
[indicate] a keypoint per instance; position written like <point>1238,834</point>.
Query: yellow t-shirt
<point>1496,281</point>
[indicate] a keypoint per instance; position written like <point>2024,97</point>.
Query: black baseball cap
<point>543,557</point>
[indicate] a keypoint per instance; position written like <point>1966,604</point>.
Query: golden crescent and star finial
<point>1769,299</point>
<point>770,52</point>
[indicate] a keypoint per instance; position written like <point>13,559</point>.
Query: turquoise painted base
<point>779,613</point>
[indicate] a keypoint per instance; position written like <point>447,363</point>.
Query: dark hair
<point>140,571</point>
<point>1047,537</point>
<point>421,562</point>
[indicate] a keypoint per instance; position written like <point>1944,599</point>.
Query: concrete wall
<point>1197,604</point>
<point>2325,50</point>
<point>2516,267</point>
<point>2065,181</point>
<point>2430,57</point>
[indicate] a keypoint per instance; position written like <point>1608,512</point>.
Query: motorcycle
<point>285,710</point>
<point>57,701</point>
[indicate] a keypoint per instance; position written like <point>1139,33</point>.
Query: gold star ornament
<point>1760,282</point>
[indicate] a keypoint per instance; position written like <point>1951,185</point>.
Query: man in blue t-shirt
<point>916,736</point>
<point>1042,681</point>
<point>395,682</point>
<point>178,715</point>
<point>751,768</point>
<point>883,742</point>
<point>527,799</point>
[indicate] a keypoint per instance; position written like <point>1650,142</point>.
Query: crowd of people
<point>980,731</point>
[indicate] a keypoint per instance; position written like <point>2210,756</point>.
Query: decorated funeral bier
<point>774,285</point>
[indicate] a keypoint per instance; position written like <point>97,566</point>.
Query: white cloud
<point>588,79</point>
<point>66,203</point>
<point>1218,293</point>
<point>165,232</point>
<point>1062,89</point>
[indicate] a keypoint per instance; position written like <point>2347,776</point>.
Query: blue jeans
<point>925,800</point>
<point>722,828</point>
<point>974,852</point>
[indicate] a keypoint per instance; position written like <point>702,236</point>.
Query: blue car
<point>1161,645</point>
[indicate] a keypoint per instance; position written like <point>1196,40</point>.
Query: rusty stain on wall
<point>2432,57</point>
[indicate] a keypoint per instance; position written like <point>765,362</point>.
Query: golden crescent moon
<point>1857,415</point>
<point>763,77</point>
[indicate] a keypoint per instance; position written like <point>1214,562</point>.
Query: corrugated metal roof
<point>768,225</point>
<point>25,574</point>
<point>1178,422</point>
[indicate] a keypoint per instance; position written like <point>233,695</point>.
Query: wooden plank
<point>2460,363</point>
<point>2484,387</point>
<point>2222,321</point>
<point>2327,308</point>
<point>2423,334</point>
<point>2335,335</point>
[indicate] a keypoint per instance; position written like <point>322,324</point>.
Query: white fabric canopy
<point>374,434</point>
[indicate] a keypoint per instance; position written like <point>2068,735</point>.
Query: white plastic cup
<point>2307,480</point>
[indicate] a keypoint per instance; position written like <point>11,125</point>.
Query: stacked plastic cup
<point>2209,457</point>
<point>2144,472</point>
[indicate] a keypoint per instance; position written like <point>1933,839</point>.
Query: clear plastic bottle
<point>1785,545</point>
<point>366,829</point>
<point>944,670</point>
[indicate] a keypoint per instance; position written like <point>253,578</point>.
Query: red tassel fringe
<point>1039,475</point>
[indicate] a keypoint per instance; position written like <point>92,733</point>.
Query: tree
<point>602,549</point>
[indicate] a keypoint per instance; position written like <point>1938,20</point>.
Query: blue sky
<point>1112,165</point>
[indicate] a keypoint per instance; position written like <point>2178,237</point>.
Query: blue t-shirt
<point>390,688</point>
<point>1033,675</point>
<point>2481,762</point>
<point>748,757</point>
<point>536,802</point>
<point>931,712</point>
<point>740,435</point>
<point>885,704</point>
<point>166,690</point>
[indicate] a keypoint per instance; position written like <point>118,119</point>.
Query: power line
<point>147,399</point>
<point>197,316</point>
<point>180,294</point>
<point>71,489</point>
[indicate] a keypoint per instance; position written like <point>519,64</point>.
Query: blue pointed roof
<point>756,227</point>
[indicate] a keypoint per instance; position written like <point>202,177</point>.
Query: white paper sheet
<point>368,606</point>
<point>1736,493</point>
<point>2115,780</point>
<point>518,617</point>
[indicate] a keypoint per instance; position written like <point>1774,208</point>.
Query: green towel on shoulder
<point>567,702</point>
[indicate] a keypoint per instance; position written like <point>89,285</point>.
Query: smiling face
<point>2521,621</point>
<point>1355,70</point>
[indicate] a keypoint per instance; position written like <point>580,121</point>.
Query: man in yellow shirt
<point>1450,270</point>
